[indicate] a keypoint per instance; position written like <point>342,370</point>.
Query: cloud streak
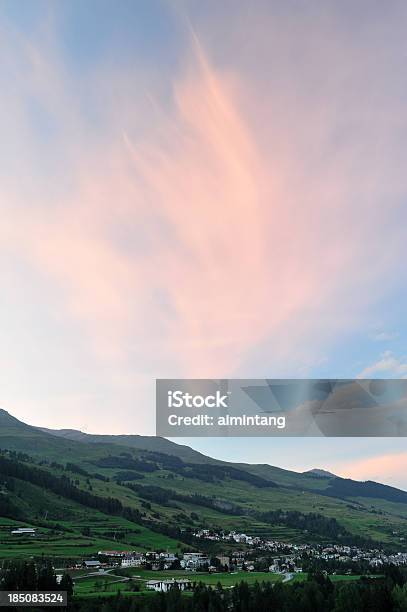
<point>191,232</point>
<point>388,365</point>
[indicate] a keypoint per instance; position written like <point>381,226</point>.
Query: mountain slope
<point>147,443</point>
<point>161,445</point>
<point>174,489</point>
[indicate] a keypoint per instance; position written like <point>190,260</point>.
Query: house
<point>24,531</point>
<point>168,557</point>
<point>194,561</point>
<point>275,567</point>
<point>162,586</point>
<point>92,564</point>
<point>223,560</point>
<point>132,560</point>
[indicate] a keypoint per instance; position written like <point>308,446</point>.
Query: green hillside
<point>148,443</point>
<point>86,493</point>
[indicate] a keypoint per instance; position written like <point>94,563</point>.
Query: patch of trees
<point>17,455</point>
<point>211,473</point>
<point>30,576</point>
<point>126,463</point>
<point>153,493</point>
<point>128,475</point>
<point>314,523</point>
<point>207,472</point>
<point>100,477</point>
<point>76,469</point>
<point>163,497</point>
<point>8,508</point>
<point>62,485</point>
<point>344,487</point>
<point>167,462</point>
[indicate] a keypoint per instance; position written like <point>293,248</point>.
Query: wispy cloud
<point>234,218</point>
<point>384,336</point>
<point>388,364</point>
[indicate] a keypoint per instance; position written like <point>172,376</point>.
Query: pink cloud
<point>184,238</point>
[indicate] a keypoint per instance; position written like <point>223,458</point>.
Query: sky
<point>206,190</point>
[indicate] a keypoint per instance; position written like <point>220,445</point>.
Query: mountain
<point>88,492</point>
<point>321,473</point>
<point>147,443</point>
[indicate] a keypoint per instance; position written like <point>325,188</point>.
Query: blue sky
<point>201,189</point>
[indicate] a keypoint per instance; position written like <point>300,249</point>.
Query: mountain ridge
<point>158,444</point>
<point>171,490</point>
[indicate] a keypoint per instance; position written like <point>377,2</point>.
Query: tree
<point>399,597</point>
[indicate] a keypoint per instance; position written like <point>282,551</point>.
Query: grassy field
<point>226,579</point>
<point>107,585</point>
<point>111,582</point>
<point>67,542</point>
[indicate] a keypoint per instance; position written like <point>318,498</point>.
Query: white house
<point>194,560</point>
<point>132,560</point>
<point>24,531</point>
<point>163,586</point>
<point>168,557</point>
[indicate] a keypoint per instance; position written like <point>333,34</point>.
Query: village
<point>291,556</point>
<point>287,559</point>
<point>242,553</point>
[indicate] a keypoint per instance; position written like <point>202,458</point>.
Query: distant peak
<point>320,473</point>
<point>7,415</point>
<point>8,420</point>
